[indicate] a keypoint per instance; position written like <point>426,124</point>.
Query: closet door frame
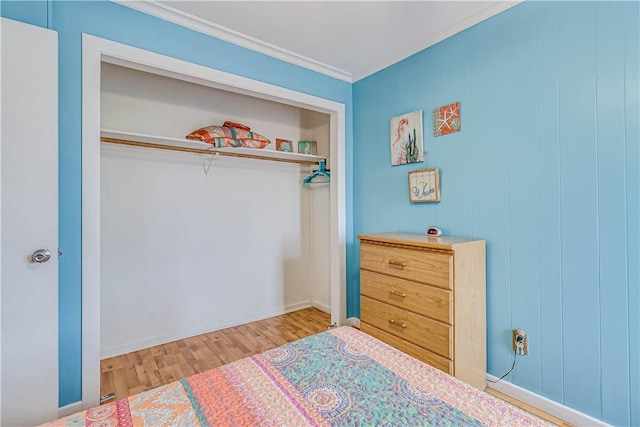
<point>96,50</point>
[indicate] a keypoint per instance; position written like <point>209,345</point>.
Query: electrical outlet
<point>520,342</point>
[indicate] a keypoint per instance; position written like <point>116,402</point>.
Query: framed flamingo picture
<point>406,139</point>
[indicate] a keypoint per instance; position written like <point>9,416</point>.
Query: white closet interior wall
<point>184,252</point>
<point>316,127</point>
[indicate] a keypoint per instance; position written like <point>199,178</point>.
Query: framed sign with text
<point>424,185</point>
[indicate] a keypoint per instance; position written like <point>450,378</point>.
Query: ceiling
<point>348,40</point>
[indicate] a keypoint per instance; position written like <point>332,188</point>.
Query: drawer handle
<point>396,323</point>
<point>398,294</point>
<point>397,263</point>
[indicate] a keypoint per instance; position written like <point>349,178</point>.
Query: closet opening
<point>188,243</point>
<point>192,243</point>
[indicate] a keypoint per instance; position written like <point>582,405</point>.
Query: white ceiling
<point>348,40</point>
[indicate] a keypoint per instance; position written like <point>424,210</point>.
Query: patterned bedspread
<point>341,377</point>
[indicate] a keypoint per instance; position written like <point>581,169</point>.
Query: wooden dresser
<point>426,296</point>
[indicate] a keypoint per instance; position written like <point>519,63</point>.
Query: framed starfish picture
<point>446,119</point>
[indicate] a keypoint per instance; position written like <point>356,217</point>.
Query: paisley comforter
<point>341,377</point>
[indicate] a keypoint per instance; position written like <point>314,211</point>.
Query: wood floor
<point>142,370</point>
<point>145,369</point>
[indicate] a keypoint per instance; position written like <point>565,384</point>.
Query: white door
<point>28,222</point>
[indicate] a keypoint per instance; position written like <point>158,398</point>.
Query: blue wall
<point>546,169</point>
<point>121,24</point>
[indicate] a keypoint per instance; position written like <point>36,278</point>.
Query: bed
<point>339,377</point>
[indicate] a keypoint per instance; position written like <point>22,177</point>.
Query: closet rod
<point>202,151</point>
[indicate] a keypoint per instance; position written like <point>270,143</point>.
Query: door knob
<point>41,256</point>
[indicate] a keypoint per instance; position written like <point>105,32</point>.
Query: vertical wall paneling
<point>432,79</point>
<point>612,217</point>
<point>549,204</point>
<point>520,120</point>
<point>454,153</point>
<point>631,27</point>
<point>489,184</point>
<point>438,81</point>
<point>580,251</point>
<point>372,171</point>
<point>546,169</point>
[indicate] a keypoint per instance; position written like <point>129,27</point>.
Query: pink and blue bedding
<point>341,377</point>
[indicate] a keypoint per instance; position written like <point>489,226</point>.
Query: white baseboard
<point>69,409</point>
<point>290,308</point>
<point>353,321</point>
<point>322,307</point>
<point>542,403</point>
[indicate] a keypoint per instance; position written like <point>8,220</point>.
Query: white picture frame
<point>407,145</point>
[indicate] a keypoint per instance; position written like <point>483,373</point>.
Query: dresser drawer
<point>430,334</point>
<point>426,300</point>
<point>421,266</point>
<point>418,352</point>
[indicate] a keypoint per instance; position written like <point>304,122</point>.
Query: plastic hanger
<point>320,172</point>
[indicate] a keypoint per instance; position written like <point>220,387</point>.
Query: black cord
<point>512,366</point>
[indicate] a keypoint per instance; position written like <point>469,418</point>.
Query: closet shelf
<point>177,144</point>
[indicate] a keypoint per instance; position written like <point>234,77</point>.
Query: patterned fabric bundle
<point>229,135</point>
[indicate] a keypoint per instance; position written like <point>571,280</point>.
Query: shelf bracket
<point>206,164</point>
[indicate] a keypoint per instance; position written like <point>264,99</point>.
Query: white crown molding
<point>423,43</point>
<point>546,405</point>
<point>195,23</point>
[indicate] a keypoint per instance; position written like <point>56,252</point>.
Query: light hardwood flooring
<point>145,369</point>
